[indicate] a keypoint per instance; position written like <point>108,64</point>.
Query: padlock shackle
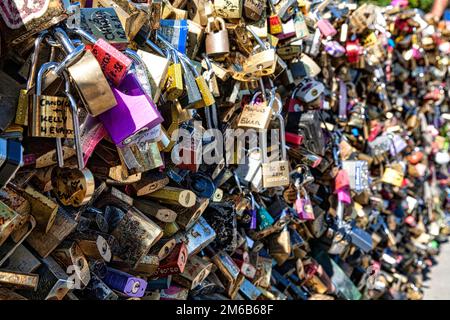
<point>70,59</point>
<point>219,24</point>
<point>208,62</point>
<point>153,45</point>
<point>282,136</point>
<point>34,58</point>
<point>42,71</point>
<point>76,124</point>
<point>62,37</point>
<point>262,44</point>
<point>85,35</point>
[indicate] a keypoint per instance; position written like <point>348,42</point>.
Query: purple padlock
<point>398,145</point>
<point>125,283</point>
<point>334,49</point>
<point>134,113</point>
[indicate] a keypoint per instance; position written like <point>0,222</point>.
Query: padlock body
<point>173,85</point>
<point>326,28</point>
<point>217,43</point>
<point>134,112</point>
<point>115,64</point>
<point>51,117</point>
<point>85,72</point>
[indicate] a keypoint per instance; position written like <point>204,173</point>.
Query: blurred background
<point>425,5</point>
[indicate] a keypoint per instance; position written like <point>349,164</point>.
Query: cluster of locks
<point>226,149</point>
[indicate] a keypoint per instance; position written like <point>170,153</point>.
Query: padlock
<point>198,237</point>
<point>275,24</point>
<point>53,282</point>
<point>195,271</point>
<point>157,68</point>
<point>22,260</point>
<point>280,246</point>
<point>44,243</point>
<point>50,116</point>
<point>287,9</point>
<point>171,12</point>
<point>131,18</point>
<point>362,18</point>
<point>326,28</point>
<point>192,94</point>
<point>157,211</point>
<point>163,248</point>
<point>11,220</point>
<point>134,108</point>
<point>196,11</point>
<point>187,217</point>
<point>308,126</point>
<point>115,64</point>
<point>217,42</point>
<point>207,98</point>
<point>358,172</point>
<point>136,234</point>
<point>195,37</point>
<point>19,280</point>
<point>173,34</point>
<point>174,196</point>
<point>141,156</point>
<point>262,62</point>
<point>253,9</point>
<point>228,9</point>
<point>255,116</point>
<point>301,28</point>
<point>73,186</point>
<point>95,245</point>
<point>173,84</point>
<point>97,289</point>
<point>70,256</point>
<point>124,282</point>
<point>303,205</point>
<point>82,72</point>
<point>276,173</point>
<point>310,90</point>
<point>43,209</point>
<point>103,23</point>
<point>174,263</point>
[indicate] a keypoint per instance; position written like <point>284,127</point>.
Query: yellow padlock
<point>173,85</point>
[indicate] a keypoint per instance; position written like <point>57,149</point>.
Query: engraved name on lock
<point>52,118</point>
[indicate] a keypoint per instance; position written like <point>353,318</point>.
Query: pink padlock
<point>344,195</point>
<point>326,28</point>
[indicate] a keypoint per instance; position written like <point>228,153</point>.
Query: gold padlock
<point>173,84</point>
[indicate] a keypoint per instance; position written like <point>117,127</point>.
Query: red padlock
<point>174,263</point>
<point>115,65</point>
<point>354,50</point>
<point>294,104</point>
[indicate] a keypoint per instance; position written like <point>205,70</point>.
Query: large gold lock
<point>217,42</point>
<point>85,71</point>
